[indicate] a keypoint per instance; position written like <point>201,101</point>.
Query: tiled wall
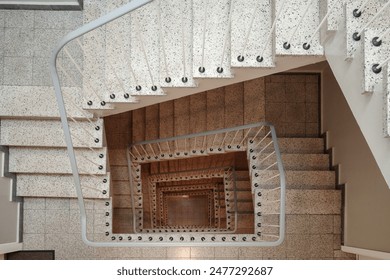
<point>292,104</point>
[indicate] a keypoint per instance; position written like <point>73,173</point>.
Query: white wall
<point>367,201</point>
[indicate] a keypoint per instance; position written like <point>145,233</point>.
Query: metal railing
<point>212,142</point>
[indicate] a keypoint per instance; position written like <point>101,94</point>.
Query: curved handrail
<point>133,5</point>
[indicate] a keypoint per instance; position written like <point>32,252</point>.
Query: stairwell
<point>28,105</point>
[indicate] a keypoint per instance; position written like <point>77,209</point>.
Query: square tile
<point>295,92</point>
<point>312,130</point>
<point>57,203</point>
<point>151,253</point>
<point>298,246</point>
<point>17,71</point>
<point>295,112</point>
<point>297,224</point>
<point>57,221</point>
<point>33,241</point>
<point>321,246</point>
<point>275,92</point>
<point>60,243</point>
<point>45,40</point>
<point>34,203</point>
<point>34,221</point>
<point>18,42</point>
<point>312,93</point>
<point>320,224</point>
<point>275,112</point>
<point>250,253</point>
<point>312,113</point>
<point>19,18</point>
<point>41,73</point>
<point>227,253</point>
<point>179,252</point>
<point>294,129</point>
<point>206,253</point>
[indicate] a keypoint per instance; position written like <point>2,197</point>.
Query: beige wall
<point>367,202</point>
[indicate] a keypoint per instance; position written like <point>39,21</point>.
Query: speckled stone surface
<point>374,55</point>
<point>300,161</point>
<point>55,161</point>
<point>355,24</point>
<point>288,22</point>
<point>302,179</point>
<point>336,15</point>
<point>144,49</point>
<point>39,185</point>
<point>216,16</point>
<point>176,43</point>
<point>386,107</point>
<point>49,133</point>
<point>26,101</point>
<point>252,20</point>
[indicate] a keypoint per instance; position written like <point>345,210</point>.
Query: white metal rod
<point>265,137</point>
<point>265,147</point>
<point>264,159</point>
<point>270,178</point>
<point>226,41</point>
<point>275,163</point>
<point>364,4</point>
<point>116,76</point>
<point>384,34</point>
<point>246,135</point>
<point>272,28</point>
<point>204,30</point>
<point>300,21</point>
<point>162,41</point>
<point>91,161</point>
<point>257,133</point>
<point>373,18</point>
<point>82,74</point>
<point>323,21</point>
<point>83,128</point>
<point>384,62</point>
<point>243,50</point>
<point>143,49</point>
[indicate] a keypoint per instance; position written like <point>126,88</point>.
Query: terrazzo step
<point>49,133</point>
<point>38,102</point>
<point>374,55</point>
<point>44,185</point>
<point>293,19</point>
<point>242,186</point>
<point>355,24</point>
<point>211,39</point>
<point>144,53</point>
<point>298,161</point>
<point>252,20</point>
<point>176,44</point>
<point>242,175</point>
<point>299,179</point>
<point>321,202</point>
<point>301,145</point>
<point>56,160</point>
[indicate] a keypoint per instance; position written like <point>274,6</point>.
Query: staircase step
<point>211,45</point>
<point>304,201</point>
<point>245,34</point>
<point>38,102</point>
<point>292,13</point>
<point>176,44</point>
<point>55,160</point>
<point>49,133</point>
<point>374,55</point>
<point>355,24</point>
<point>144,50</point>
<point>298,161</point>
<point>301,145</point>
<point>43,185</point>
<point>300,179</point>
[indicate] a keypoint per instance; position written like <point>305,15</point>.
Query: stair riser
<point>55,161</point>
